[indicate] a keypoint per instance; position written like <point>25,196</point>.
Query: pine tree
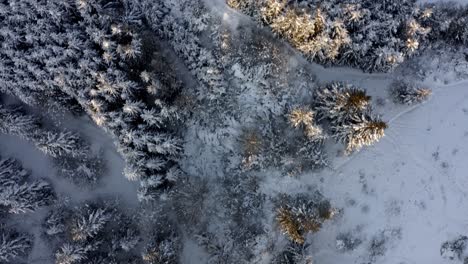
<point>55,144</point>
<point>16,123</point>
<point>162,251</point>
<point>295,254</point>
<point>408,93</point>
<point>301,214</point>
<point>128,241</point>
<point>72,253</point>
<point>17,195</point>
<point>13,245</point>
<point>55,222</point>
<point>26,197</point>
<point>301,117</point>
<point>11,172</point>
<point>458,30</point>
<point>38,50</point>
<point>63,143</point>
<point>289,225</point>
<point>362,130</point>
<point>305,118</point>
<point>183,34</point>
<point>89,223</point>
<point>339,101</point>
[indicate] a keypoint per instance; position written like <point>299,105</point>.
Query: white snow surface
<point>414,182</point>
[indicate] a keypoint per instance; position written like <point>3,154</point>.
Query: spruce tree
<point>17,195</point>
<point>13,245</point>
<point>337,102</point>
<point>303,213</point>
<point>72,253</point>
<point>408,93</point>
<point>89,223</point>
<point>26,197</point>
<point>11,172</point>
<point>361,130</point>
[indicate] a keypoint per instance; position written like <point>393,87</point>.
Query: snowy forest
<point>233,131</point>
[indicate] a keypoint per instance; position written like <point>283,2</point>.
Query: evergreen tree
<point>337,102</point>
<point>40,43</point>
<point>55,144</point>
<point>63,143</point>
<point>89,223</point>
<point>294,254</point>
<point>16,194</point>
<point>17,123</point>
<point>162,251</point>
<point>72,253</point>
<point>361,130</point>
<point>301,214</point>
<point>408,93</point>
<point>182,22</point>
<point>13,245</point>
<point>11,172</point>
<point>55,221</point>
<point>26,197</point>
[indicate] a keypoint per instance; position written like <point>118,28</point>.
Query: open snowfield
<point>412,185</point>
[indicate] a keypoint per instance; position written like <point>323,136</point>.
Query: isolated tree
<point>408,93</point>
<point>13,245</point>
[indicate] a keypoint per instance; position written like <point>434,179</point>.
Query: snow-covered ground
<point>412,185</point>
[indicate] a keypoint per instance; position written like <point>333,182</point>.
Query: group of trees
<point>100,232</point>
<point>371,35</point>
<point>17,193</point>
<point>88,56</point>
<point>182,24</point>
<point>93,233</point>
<point>349,112</point>
<point>300,214</point>
<point>16,122</point>
<point>71,153</point>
